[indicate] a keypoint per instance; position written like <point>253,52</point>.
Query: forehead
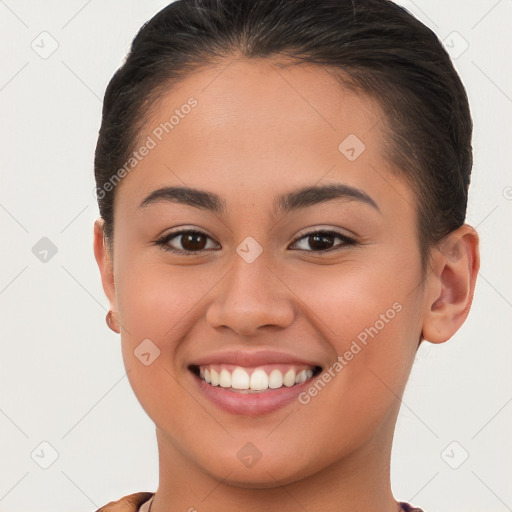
<point>255,125</point>
<point>240,96</point>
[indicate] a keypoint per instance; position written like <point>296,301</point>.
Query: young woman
<point>282,187</point>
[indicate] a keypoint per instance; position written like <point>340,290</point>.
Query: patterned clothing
<point>139,502</point>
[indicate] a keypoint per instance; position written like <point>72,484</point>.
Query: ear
<point>104,261</point>
<point>451,284</point>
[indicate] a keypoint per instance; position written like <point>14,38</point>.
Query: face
<point>292,254</point>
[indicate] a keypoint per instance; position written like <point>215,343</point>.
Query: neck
<point>358,481</point>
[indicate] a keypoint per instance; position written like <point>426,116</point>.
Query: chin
<point>266,473</point>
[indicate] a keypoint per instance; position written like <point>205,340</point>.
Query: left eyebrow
<point>308,196</point>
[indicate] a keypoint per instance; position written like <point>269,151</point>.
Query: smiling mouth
<point>257,379</point>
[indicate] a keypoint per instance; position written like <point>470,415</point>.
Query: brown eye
<point>323,241</point>
<point>193,241</point>
<point>186,242</point>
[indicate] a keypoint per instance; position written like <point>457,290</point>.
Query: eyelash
<point>164,241</point>
<point>346,240</point>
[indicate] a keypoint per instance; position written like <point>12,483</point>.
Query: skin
<point>261,129</point>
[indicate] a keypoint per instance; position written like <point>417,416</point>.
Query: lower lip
<point>251,404</point>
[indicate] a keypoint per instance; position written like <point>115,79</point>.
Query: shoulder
<point>129,503</point>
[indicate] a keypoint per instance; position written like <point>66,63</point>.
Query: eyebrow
<point>188,196</point>
<point>317,194</point>
<point>283,203</point>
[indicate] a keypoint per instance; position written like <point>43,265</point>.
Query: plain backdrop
<point>73,434</point>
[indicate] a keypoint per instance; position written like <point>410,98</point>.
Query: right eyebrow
<point>188,196</point>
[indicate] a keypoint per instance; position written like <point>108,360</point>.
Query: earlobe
<point>103,259</point>
<point>451,284</point>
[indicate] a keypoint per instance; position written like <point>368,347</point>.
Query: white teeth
<point>214,376</point>
<point>259,380</point>
<point>239,379</point>
<point>289,378</point>
<point>275,379</point>
<point>225,378</point>
<point>301,377</point>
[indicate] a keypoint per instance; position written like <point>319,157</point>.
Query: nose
<point>251,297</point>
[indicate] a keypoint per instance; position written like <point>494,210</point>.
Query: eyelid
<point>347,240</point>
<point>325,229</point>
<point>164,240</point>
<point>185,229</point>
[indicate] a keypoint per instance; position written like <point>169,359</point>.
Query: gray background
<point>62,377</point>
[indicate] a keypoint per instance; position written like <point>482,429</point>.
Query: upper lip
<point>250,358</point>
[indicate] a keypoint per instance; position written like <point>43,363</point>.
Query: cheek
<point>157,308</point>
<point>161,302</point>
<point>353,300</point>
<point>371,323</point>
<point>373,342</point>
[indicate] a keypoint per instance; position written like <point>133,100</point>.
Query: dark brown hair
<point>378,47</point>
